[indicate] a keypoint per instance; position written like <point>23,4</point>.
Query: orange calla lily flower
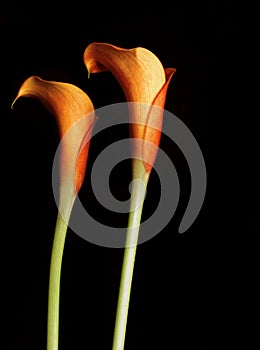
<point>145,82</point>
<point>74,113</point>
<point>69,104</point>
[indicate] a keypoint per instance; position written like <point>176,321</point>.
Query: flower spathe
<point>69,104</point>
<point>144,82</point>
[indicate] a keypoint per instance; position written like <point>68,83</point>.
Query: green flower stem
<point>137,199</point>
<point>54,282</point>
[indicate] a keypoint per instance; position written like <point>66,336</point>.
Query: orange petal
<point>153,127</point>
<point>69,104</point>
<point>143,80</point>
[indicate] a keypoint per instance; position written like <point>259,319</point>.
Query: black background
<point>189,291</point>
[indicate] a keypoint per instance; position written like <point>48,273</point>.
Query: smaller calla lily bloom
<point>74,113</point>
<point>145,82</point>
<point>68,104</point>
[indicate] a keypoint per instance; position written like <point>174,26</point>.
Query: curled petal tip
<point>20,94</point>
<point>12,105</point>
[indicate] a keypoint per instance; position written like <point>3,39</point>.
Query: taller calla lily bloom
<point>144,82</point>
<point>74,114</point>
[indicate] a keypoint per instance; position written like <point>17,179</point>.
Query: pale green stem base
<point>54,282</point>
<point>137,199</point>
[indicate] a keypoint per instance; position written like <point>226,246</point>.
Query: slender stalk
<point>136,207</point>
<point>54,282</point>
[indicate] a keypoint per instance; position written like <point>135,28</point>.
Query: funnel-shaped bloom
<point>74,113</point>
<point>69,104</point>
<point>144,82</point>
